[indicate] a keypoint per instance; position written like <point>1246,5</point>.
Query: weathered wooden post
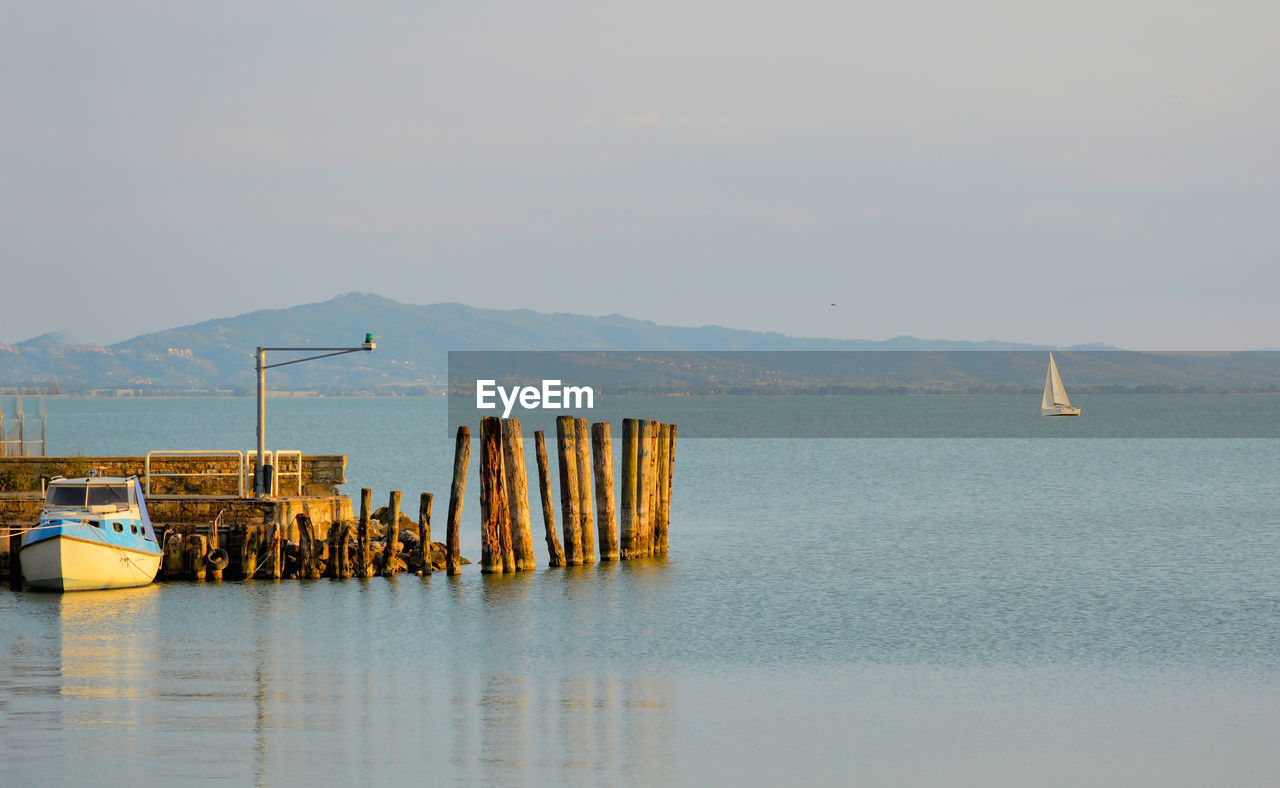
<point>339,560</point>
<point>457,491</point>
<point>555,552</point>
<point>391,547</point>
<point>275,548</point>
<point>15,562</point>
<point>655,429</point>
<point>172,554</point>
<point>569,513</point>
<point>628,524</point>
<point>644,469</point>
<point>664,489</point>
<point>671,483</point>
<point>364,554</point>
<point>250,543</point>
<point>193,552</point>
<point>602,451</point>
<point>495,509</point>
<point>424,530</point>
<point>308,548</point>
<point>518,495</point>
<point>586,514</point>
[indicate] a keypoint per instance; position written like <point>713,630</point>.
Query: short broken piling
<point>308,549</point>
<point>424,530</point>
<point>391,563</point>
<point>364,549</point>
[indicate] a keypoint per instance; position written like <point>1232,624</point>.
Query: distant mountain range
<point>216,356</point>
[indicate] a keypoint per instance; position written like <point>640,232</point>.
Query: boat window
<point>95,523</point>
<point>119,528</point>
<point>133,528</point>
<point>65,495</point>
<point>106,494</point>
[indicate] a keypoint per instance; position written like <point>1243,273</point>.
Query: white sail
<point>1059,391</point>
<point>1046,402</point>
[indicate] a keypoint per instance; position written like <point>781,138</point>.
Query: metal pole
<point>260,480</point>
<point>259,483</point>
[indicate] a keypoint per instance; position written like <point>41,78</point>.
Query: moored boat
<point>93,533</point>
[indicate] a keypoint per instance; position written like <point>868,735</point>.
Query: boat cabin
<point>94,494</point>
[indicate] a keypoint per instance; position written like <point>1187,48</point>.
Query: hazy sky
<point>1055,173</point>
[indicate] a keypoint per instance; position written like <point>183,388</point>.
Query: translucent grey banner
<point>880,394</point>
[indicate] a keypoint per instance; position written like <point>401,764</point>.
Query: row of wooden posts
<point>636,528</point>
<point>585,454</point>
<point>347,550</point>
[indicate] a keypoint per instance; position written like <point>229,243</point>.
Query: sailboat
<point>1055,401</point>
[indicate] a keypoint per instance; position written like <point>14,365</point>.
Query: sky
<point>1049,173</point>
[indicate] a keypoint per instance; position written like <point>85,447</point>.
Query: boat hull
<point>1061,411</point>
<point>71,563</point>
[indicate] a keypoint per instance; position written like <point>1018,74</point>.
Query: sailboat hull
<point>1061,411</point>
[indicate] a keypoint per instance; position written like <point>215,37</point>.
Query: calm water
<point>912,611</point>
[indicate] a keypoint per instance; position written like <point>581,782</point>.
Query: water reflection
<point>471,678</point>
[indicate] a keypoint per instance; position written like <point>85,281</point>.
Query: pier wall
<point>321,473</point>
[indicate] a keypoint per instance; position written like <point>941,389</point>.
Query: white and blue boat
<point>93,533</point>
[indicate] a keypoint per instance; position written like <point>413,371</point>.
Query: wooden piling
<point>457,491</point>
<point>628,525</point>
<point>655,429</point>
<point>391,563</point>
<point>15,561</point>
<point>671,485</point>
<point>199,545</point>
<point>424,530</point>
<point>606,525</point>
<point>364,549</point>
<point>247,557</point>
<point>570,516</point>
<point>172,555</point>
<point>308,548</point>
<point>495,511</point>
<point>555,552</point>
<point>664,489</point>
<point>194,549</point>
<point>644,485</point>
<point>586,506</point>
<point>518,495</point>
<point>273,541</point>
<point>339,559</point>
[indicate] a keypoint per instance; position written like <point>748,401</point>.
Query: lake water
<point>878,611</point>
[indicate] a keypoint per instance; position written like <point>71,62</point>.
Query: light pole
<point>259,474</point>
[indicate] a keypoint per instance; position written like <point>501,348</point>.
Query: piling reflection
<point>575,728</point>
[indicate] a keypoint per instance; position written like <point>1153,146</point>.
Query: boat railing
<point>239,472</point>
